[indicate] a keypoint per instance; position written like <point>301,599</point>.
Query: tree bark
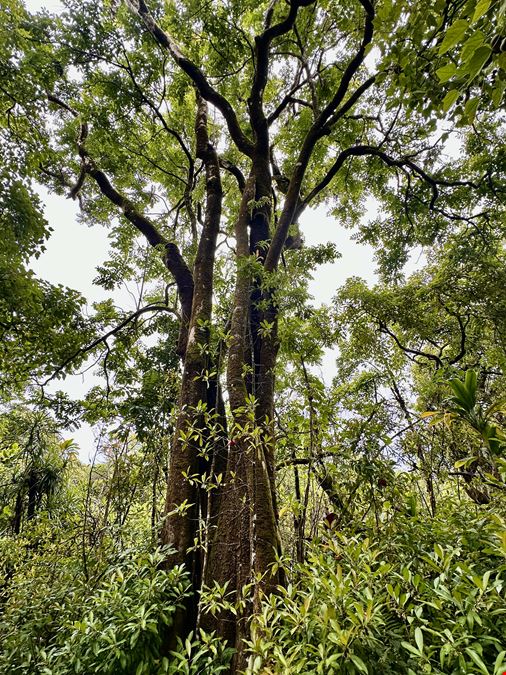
<point>183,500</point>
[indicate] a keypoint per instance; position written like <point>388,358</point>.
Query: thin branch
<point>235,171</point>
<point>350,102</point>
<point>432,357</point>
<point>470,474</point>
<point>145,99</point>
<point>298,84</point>
<point>103,338</point>
<point>463,336</point>
<point>402,163</point>
<point>302,461</point>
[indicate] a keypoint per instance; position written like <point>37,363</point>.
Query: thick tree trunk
<point>246,540</point>
<point>183,500</point>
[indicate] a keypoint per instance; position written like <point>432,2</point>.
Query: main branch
<point>317,130</point>
<point>172,257</point>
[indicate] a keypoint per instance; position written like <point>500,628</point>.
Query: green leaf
<point>474,656</point>
<point>419,639</point>
<point>463,396</point>
<point>453,35</point>
<point>499,661</point>
<point>359,663</point>
<point>498,92</point>
<point>480,9</point>
<point>464,462</point>
<point>470,109</point>
<point>446,72</point>
<point>477,61</point>
<point>471,45</point>
<point>471,379</point>
<point>450,99</point>
<point>411,649</point>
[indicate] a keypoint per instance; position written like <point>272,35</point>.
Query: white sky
<point>50,5</point>
<point>71,257</point>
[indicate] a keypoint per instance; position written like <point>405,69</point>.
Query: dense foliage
<point>408,592</point>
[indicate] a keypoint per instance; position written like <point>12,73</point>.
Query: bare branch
<point>463,336</point>
<point>145,99</point>
<point>316,131</point>
<point>287,99</point>
<point>235,171</point>
<point>352,67</point>
<point>262,45</point>
<point>350,102</point>
<point>172,257</point>
<point>402,162</point>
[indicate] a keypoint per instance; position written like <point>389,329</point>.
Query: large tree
<point>206,130</point>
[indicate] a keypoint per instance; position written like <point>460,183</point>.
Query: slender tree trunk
<point>32,494</point>
<point>18,512</point>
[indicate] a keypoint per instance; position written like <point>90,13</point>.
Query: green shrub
<point>392,606</point>
<point>57,623</point>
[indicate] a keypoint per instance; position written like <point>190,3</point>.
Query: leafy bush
<point>57,623</point>
<point>393,605</point>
